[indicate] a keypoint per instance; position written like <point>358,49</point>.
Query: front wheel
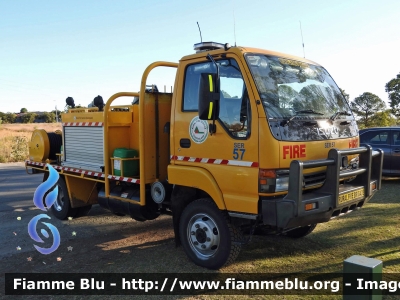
<point>207,236</point>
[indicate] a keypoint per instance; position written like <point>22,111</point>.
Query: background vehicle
<point>249,138</point>
<point>387,139</point>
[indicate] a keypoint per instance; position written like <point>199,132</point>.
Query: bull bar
<point>290,211</point>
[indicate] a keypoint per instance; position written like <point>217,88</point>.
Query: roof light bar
<point>206,46</point>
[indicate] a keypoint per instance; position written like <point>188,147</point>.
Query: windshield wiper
<point>287,121</point>
<point>308,111</point>
<point>340,113</point>
<point>305,111</point>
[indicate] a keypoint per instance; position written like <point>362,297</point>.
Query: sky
<point>50,50</point>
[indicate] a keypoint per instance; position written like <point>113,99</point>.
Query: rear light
<point>271,181</point>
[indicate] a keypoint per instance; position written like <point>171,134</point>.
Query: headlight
<point>282,184</point>
<point>354,162</point>
<point>271,181</point>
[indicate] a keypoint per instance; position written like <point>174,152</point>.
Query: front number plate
<point>359,193</point>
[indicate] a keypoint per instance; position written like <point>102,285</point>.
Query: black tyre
<point>150,211</point>
<point>207,236</point>
<point>61,208</point>
<point>301,231</point>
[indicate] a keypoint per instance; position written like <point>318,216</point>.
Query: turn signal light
<point>373,185</point>
<point>267,181</point>
<point>310,206</point>
<point>272,181</point>
<point>267,173</point>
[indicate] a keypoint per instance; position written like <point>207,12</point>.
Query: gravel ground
<point>101,242</point>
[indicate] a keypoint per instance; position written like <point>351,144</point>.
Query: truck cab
<point>248,138</point>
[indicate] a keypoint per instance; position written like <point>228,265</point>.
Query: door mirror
<point>208,97</point>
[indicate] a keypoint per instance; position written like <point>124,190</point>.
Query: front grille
<point>314,179</point>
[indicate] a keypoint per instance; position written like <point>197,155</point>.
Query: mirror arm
<point>209,57</point>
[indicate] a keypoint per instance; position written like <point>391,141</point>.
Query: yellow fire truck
<point>248,138</point>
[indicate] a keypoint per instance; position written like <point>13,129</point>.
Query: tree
<point>313,97</point>
<point>366,106</point>
<point>383,119</point>
<point>9,118</point>
<point>393,89</point>
<point>23,110</point>
<point>48,117</point>
<point>346,96</point>
<point>28,118</point>
<point>57,113</point>
<point>286,96</point>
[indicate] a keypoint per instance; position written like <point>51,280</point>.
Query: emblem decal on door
<point>198,130</point>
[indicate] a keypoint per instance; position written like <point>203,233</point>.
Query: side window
<point>234,110</point>
<point>192,84</point>
<point>396,138</point>
<point>234,101</point>
<point>376,137</point>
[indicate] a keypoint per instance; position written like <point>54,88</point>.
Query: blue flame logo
<point>39,200</point>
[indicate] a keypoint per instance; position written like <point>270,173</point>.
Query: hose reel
<point>44,145</point>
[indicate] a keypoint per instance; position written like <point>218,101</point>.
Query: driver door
<point>231,153</point>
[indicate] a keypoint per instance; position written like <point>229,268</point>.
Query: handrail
<point>142,172</point>
<point>141,95</point>
<point>106,151</point>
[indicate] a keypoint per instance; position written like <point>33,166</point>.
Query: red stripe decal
<point>215,161</point>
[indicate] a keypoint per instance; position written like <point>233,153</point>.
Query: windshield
<point>292,88</point>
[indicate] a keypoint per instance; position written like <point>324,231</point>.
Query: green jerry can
<point>130,167</point>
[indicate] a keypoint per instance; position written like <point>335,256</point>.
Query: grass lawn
<point>373,231</point>
<point>14,139</point>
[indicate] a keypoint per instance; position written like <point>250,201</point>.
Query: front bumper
<point>333,198</point>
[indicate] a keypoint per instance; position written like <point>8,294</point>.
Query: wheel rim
<point>59,203</point>
<point>203,235</point>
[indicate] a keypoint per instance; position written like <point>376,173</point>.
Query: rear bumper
<point>332,199</point>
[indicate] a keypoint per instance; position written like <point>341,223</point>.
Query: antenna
<point>234,22</point>
<point>301,31</point>
<point>201,38</point>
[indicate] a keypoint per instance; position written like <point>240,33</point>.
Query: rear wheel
<point>61,208</point>
<point>301,231</point>
<point>207,236</point>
